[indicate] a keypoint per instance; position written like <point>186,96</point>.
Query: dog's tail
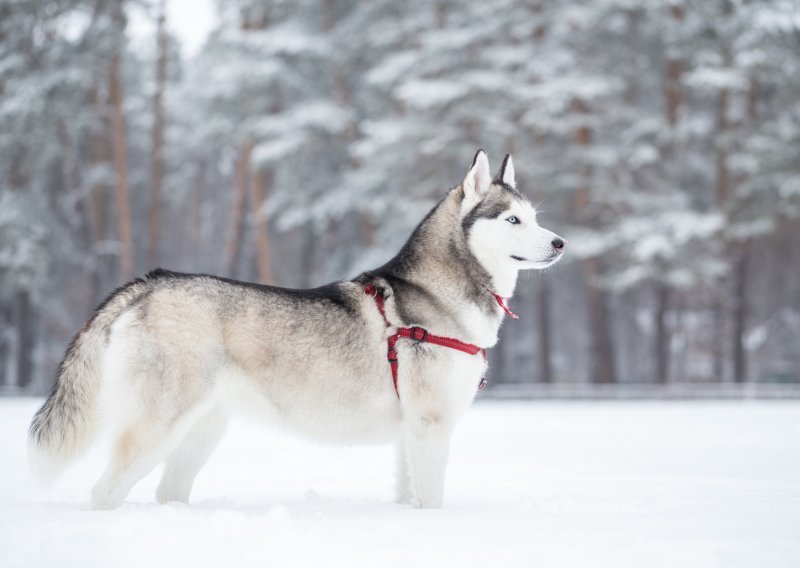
<point>66,423</point>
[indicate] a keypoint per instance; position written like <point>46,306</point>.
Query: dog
<point>394,356</point>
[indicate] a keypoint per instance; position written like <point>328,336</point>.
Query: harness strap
<point>502,302</point>
<point>417,334</point>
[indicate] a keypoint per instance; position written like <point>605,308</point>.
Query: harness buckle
<point>419,334</point>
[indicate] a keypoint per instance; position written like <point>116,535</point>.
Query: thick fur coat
<point>167,359</point>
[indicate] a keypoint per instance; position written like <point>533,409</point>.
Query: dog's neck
<point>503,278</point>
<point>437,264</point>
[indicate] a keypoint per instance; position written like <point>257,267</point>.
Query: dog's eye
<point>514,220</point>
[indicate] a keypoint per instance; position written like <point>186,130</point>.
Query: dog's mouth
<point>550,258</point>
<point>549,261</point>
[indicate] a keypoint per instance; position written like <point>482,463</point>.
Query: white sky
<point>190,20</point>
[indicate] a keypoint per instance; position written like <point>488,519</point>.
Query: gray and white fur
<point>167,359</point>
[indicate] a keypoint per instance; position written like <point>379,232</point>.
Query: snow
<point>530,484</point>
<point>713,79</point>
<point>428,94</point>
<point>190,20</point>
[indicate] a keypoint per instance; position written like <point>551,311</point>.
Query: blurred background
<point>299,142</point>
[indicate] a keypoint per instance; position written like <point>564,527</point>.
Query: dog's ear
<point>506,173</point>
<point>478,179</point>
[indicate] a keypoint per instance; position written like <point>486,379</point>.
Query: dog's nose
<point>558,244</point>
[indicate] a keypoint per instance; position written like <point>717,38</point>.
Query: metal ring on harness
<point>418,337</point>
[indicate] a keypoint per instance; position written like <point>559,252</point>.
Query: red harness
<point>421,335</point>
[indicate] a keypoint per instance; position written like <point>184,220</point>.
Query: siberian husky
<point>167,359</point>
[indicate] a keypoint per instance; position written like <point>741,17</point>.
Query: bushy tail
<point>66,423</point>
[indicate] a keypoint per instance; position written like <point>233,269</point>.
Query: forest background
<point>300,142</point>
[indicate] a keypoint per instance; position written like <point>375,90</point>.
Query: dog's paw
<point>407,499</point>
<point>103,500</point>
<point>432,502</point>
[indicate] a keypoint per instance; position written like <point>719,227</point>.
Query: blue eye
<point>514,220</point>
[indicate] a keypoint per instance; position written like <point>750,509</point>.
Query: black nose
<point>558,244</point>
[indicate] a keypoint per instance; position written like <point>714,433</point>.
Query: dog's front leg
<point>402,480</point>
<point>427,443</point>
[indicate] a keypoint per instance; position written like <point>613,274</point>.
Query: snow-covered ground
<point>639,484</point>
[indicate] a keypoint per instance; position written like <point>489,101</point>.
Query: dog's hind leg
<point>136,452</point>
<point>190,455</point>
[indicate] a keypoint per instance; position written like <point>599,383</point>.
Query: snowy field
<point>636,484</point>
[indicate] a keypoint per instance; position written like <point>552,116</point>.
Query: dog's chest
<point>481,327</point>
<point>441,377</point>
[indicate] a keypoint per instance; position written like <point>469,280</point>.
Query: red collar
<point>502,301</point>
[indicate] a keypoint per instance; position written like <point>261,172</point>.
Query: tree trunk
<point>740,272</point>
<point>367,229</point>
<point>262,183</point>
<point>307,261</point>
<point>601,366</point>
<point>545,366</point>
<point>498,363</point>
<point>662,336</point>
<point>673,90</point>
<point>718,338</point>
<point>632,80</point>
<point>723,179</point>
<point>5,352</point>
<point>253,18</point>
<point>24,339</point>
<point>543,326</point>
<point>196,232</point>
<point>740,315</point>
<point>157,149</point>
<point>722,192</point>
<point>233,247</point>
<point>120,151</point>
<point>99,155</point>
<point>602,369</point>
<point>673,100</point>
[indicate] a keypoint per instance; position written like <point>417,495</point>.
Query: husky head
<point>500,224</point>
